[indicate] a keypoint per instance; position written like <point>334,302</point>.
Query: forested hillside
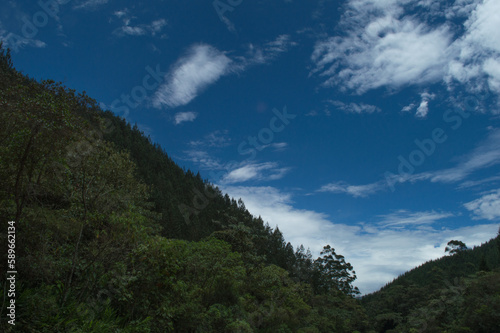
<point>112,236</point>
<point>456,293</point>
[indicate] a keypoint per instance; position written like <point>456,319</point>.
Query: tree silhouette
<point>455,246</point>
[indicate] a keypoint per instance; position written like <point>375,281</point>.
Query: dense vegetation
<point>113,236</point>
<point>457,293</point>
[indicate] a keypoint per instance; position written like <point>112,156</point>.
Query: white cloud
<point>202,66</point>
<point>459,9</point>
<point>476,52</point>
<point>157,25</point>
<point>181,117</point>
<point>260,172</point>
<point>356,191</point>
<point>482,28</point>
<point>423,108</point>
<point>378,254</point>
<point>408,108</point>
<point>385,51</point>
<point>393,44</point>
<point>121,13</point>
<point>487,207</point>
<point>355,107</point>
<point>492,67</point>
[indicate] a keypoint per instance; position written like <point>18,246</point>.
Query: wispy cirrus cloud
<point>90,4</point>
<point>405,218</point>
<point>215,139</point>
<point>19,42</point>
<point>16,42</point>
<point>276,146</point>
<point>230,173</point>
<point>479,183</point>
<point>269,51</point>
<point>204,159</point>
<point>355,107</point>
<point>255,172</point>
<point>203,65</point>
<point>127,29</point>
<point>485,155</point>
<point>357,191</point>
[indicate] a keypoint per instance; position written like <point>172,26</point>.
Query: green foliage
<point>36,123</point>
<point>97,208</point>
<point>455,246</point>
<point>5,60</point>
<point>115,237</point>
<point>457,293</point>
<point>333,273</point>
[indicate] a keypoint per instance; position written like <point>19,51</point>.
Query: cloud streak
<point>404,218</point>
<point>483,156</point>
<point>357,191</point>
<point>254,172</point>
<point>356,108</point>
<point>90,4</point>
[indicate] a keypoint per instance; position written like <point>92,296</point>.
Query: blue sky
<point>372,126</point>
